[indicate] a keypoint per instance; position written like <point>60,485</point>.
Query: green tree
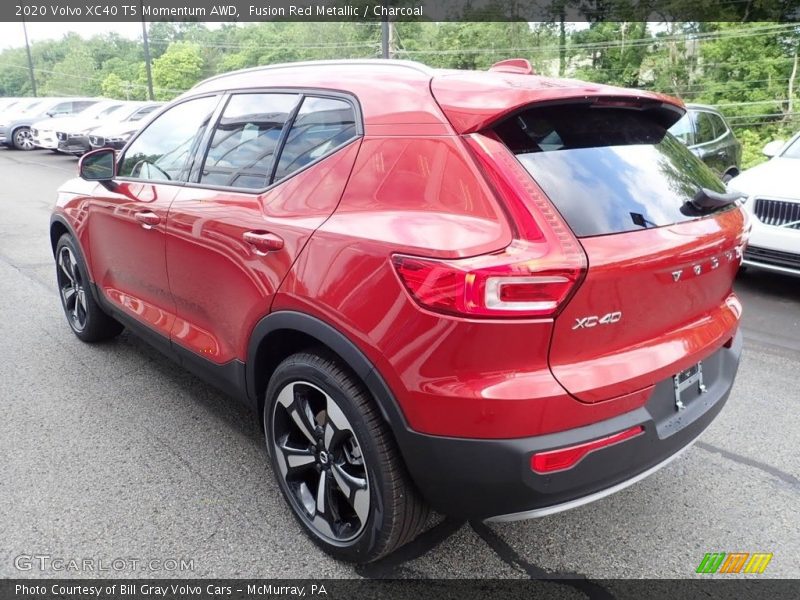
<point>612,52</point>
<point>75,75</point>
<point>178,69</point>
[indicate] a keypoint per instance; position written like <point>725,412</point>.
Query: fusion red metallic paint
<point>523,351</point>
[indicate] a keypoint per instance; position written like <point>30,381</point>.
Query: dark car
<point>495,294</point>
<point>710,138</point>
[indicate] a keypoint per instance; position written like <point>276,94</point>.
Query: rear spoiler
<point>473,101</point>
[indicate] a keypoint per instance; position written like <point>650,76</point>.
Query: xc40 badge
<point>595,320</point>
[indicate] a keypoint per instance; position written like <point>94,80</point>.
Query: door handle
<point>263,242</point>
<point>148,219</point>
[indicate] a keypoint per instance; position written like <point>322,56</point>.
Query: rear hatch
<point>656,296</point>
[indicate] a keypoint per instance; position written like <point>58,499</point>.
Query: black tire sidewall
<point>372,538</point>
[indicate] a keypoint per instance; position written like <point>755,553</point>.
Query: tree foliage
<point>748,69</point>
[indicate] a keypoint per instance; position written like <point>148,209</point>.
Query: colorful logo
<point>734,562</point>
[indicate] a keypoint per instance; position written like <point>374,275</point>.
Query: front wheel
<point>336,461</point>
<point>85,317</point>
<point>23,139</point>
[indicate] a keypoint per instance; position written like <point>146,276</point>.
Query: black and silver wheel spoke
<point>320,460</point>
<point>293,400</point>
<point>293,460</point>
<point>73,292</point>
<point>354,489</point>
<point>66,265</point>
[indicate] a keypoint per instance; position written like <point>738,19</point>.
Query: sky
<point>11,35</point>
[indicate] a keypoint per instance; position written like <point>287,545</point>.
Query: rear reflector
<point>566,458</point>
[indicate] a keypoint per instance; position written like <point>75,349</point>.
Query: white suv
<point>773,200</point>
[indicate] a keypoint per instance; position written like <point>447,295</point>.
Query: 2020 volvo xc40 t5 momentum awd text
<point>493,294</point>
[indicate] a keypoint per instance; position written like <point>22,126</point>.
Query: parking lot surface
<point>111,451</point>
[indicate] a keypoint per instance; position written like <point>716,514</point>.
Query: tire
<point>729,175</point>
<point>22,139</point>
<point>85,317</point>
<point>318,416</point>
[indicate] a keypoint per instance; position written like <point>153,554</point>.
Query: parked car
<point>116,135</point>
<point>16,131</point>
<point>773,201</point>
<point>495,294</point>
<point>76,140</point>
<point>710,138</point>
<point>18,108</point>
<point>44,131</point>
<point>8,103</point>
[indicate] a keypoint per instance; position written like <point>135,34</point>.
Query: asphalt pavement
<point>111,452</point>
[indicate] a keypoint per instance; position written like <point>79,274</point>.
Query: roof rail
<point>407,64</point>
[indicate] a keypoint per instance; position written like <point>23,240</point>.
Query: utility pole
<point>147,56</point>
<point>385,34</point>
<point>30,58</point>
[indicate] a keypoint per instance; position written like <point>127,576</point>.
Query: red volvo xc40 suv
<point>493,294</point>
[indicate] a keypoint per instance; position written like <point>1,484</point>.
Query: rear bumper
<point>493,480</point>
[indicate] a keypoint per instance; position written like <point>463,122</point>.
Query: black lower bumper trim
<point>486,478</point>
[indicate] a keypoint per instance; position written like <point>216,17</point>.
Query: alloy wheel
<point>73,289</point>
<point>321,462</point>
<point>23,139</point>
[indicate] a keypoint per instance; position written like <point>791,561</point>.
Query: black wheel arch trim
<point>61,220</point>
<point>338,343</point>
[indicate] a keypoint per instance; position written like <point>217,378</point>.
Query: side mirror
<point>772,148</point>
<point>98,165</point>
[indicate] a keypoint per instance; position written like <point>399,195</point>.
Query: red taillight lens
<point>566,458</point>
<point>532,277</point>
<point>503,284</point>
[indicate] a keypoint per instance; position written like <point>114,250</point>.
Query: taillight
<point>566,458</point>
<point>509,283</point>
<point>533,277</point>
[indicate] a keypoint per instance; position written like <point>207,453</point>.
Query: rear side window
<point>81,104</point>
<point>142,113</point>
<point>245,140</point>
<point>321,126</point>
<point>607,170</point>
<point>706,127</point>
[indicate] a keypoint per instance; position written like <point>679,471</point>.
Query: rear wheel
<point>23,139</point>
<point>85,317</point>
<point>336,461</point>
<point>729,175</point>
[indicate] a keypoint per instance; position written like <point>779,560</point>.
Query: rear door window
<point>607,170</point>
<point>242,150</point>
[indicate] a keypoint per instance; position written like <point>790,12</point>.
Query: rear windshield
<point>607,170</point>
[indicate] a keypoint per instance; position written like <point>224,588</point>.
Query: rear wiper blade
<point>708,200</point>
